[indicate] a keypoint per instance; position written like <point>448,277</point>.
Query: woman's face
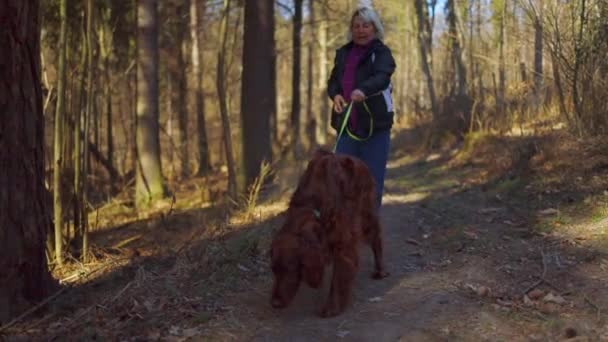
<point>363,32</point>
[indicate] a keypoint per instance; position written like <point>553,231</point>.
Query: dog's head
<point>296,255</point>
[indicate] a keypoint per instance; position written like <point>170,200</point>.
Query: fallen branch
<point>33,309</point>
<point>542,277</point>
<point>413,242</point>
<point>599,311</point>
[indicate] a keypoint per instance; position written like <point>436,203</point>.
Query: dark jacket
<point>373,77</point>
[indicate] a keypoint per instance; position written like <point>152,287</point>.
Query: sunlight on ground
<point>393,198</point>
<point>261,212</point>
<point>399,162</point>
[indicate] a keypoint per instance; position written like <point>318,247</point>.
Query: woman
<point>362,75</point>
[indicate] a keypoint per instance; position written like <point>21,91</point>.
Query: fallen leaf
<point>243,268</point>
<point>506,303</point>
<point>551,298</point>
<point>174,330</point>
<point>471,287</point>
<point>149,304</point>
<point>153,335</point>
<point>548,212</point>
<point>471,235</point>
<point>536,294</point>
<point>483,291</point>
<point>548,308</point>
<point>191,332</point>
<point>375,299</point>
<point>528,301</point>
<point>342,333</point>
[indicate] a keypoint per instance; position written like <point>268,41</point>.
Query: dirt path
<point>460,259</point>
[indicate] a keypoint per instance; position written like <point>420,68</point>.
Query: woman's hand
<point>339,103</point>
<point>357,95</point>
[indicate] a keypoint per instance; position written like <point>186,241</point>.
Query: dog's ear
<point>312,261</point>
<point>346,177</point>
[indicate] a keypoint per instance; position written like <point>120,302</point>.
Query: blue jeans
<point>373,152</point>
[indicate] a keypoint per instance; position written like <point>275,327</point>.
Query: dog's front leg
<point>340,293</point>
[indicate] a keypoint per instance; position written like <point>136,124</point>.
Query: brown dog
<point>331,212</point>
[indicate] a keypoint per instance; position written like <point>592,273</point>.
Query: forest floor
<point>500,239</point>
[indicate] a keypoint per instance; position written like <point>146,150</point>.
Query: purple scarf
<point>356,53</point>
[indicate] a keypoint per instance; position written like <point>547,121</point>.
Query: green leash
<point>345,124</point>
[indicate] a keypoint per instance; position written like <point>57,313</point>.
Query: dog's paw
<point>380,274</point>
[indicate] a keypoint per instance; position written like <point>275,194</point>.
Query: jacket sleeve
<point>383,68</point>
<point>333,84</point>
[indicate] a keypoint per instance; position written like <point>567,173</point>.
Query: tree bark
<point>459,68</point>
<point>258,103</point>
<point>149,184</point>
<point>500,99</point>
<point>223,99</point>
<point>24,216</point>
<point>538,50</point>
<point>59,137</point>
<point>197,9</point>
<point>176,66</point>
<point>295,79</point>
<point>85,139</point>
<point>323,101</point>
<point>311,123</point>
<point>424,44</point>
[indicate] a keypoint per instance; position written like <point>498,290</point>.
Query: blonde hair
<point>369,16</point>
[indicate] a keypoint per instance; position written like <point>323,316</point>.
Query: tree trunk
<point>197,10</point>
<point>109,125</point>
<point>85,138</point>
<point>223,99</point>
<point>424,44</point>
<point>323,101</point>
<point>500,100</point>
<point>258,103</point>
<point>295,79</point>
<point>459,68</point>
<point>106,41</point>
<point>311,124</point>
<point>478,73</point>
<point>578,59</point>
<point>538,51</point>
<point>149,184</point>
<point>176,66</point>
<point>24,215</point>
<point>59,137</point>
<point>559,88</point>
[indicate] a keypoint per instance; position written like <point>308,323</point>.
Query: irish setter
<point>331,212</point>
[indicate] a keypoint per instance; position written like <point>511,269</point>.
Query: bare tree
<point>425,46</point>
<point>456,51</point>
